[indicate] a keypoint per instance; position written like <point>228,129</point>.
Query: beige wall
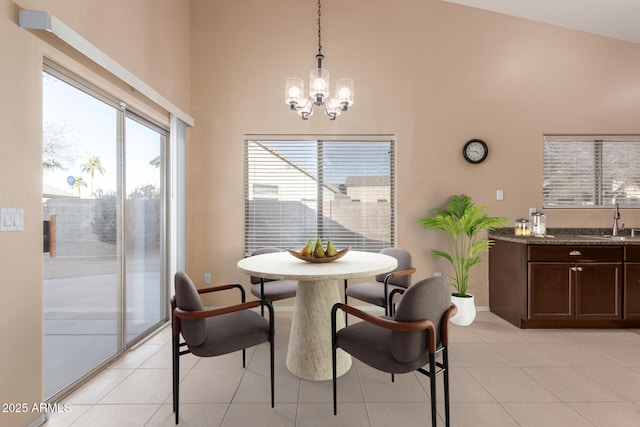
<point>150,38</point>
<point>433,73</point>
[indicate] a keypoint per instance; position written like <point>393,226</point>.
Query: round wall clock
<point>475,151</point>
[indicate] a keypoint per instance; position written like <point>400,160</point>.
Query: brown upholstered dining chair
<point>407,342</point>
<point>377,292</point>
<point>272,290</point>
<point>209,332</point>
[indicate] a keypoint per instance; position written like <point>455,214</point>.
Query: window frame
<point>318,175</point>
<point>603,164</point>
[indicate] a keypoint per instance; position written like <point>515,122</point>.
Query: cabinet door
<point>550,291</point>
<point>598,291</point>
<point>632,290</point>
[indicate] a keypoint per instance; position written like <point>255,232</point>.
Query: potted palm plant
<point>462,222</point>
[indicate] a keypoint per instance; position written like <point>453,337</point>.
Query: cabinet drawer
<point>632,253</point>
<point>572,253</point>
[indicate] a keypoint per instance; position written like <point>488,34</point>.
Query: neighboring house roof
<point>368,181</point>
<point>50,192</point>
<point>295,165</point>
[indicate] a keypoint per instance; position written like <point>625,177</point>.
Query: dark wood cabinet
<point>598,291</point>
<point>632,290</point>
<point>550,286</point>
<point>551,291</point>
<point>589,291</point>
<point>507,281</point>
<point>631,295</point>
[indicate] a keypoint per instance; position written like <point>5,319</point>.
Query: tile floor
<point>501,376</point>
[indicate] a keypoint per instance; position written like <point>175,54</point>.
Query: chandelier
<point>319,89</point>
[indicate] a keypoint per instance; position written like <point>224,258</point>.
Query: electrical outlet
<point>207,277</point>
<point>499,194</point>
<point>437,274</point>
<point>532,211</point>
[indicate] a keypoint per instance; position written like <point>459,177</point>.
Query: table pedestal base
<point>309,353</point>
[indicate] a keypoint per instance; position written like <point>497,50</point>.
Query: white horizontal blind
<point>337,188</point>
<point>591,171</point>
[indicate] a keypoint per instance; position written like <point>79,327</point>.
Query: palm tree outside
<point>78,183</point>
<point>91,166</point>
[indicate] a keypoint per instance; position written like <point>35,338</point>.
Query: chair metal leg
<point>173,373</point>
<point>335,382</point>
<point>445,367</point>
<point>334,358</point>
<point>432,383</point>
<point>346,316</point>
<point>272,349</point>
<point>244,358</point>
<point>176,374</point>
<point>385,297</point>
<point>273,387</point>
<point>262,296</point>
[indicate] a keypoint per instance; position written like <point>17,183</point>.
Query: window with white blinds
<point>591,171</point>
<point>297,189</point>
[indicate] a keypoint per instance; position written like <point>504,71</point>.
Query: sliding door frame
<point>167,255</point>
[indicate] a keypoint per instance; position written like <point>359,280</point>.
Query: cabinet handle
<point>578,268</point>
<point>575,253</point>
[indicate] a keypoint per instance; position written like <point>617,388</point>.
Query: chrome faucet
<point>616,216</point>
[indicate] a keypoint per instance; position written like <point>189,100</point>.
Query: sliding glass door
<point>144,233</point>
<point>103,222</point>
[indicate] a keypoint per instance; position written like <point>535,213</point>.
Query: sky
<point>91,130</point>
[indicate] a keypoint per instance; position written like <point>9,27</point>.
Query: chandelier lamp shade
<point>319,84</point>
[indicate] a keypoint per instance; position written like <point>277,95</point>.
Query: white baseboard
<point>39,421</point>
<point>289,308</point>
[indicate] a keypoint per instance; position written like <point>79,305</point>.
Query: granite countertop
<point>568,236</point>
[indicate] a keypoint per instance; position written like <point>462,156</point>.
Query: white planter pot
<point>466,310</point>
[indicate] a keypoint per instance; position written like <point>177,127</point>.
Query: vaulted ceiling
<point>611,18</point>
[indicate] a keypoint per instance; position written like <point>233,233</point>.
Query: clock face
<point>475,151</point>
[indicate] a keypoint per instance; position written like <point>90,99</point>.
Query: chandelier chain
<point>319,31</point>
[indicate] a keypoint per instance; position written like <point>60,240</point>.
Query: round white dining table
<point>309,351</point>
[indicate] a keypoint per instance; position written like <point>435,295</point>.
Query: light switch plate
<point>11,219</point>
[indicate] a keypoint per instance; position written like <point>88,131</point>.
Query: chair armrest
<point>399,273</point>
<point>178,313</point>
<point>204,291</point>
<point>417,325</point>
<point>224,288</point>
<point>202,314</point>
